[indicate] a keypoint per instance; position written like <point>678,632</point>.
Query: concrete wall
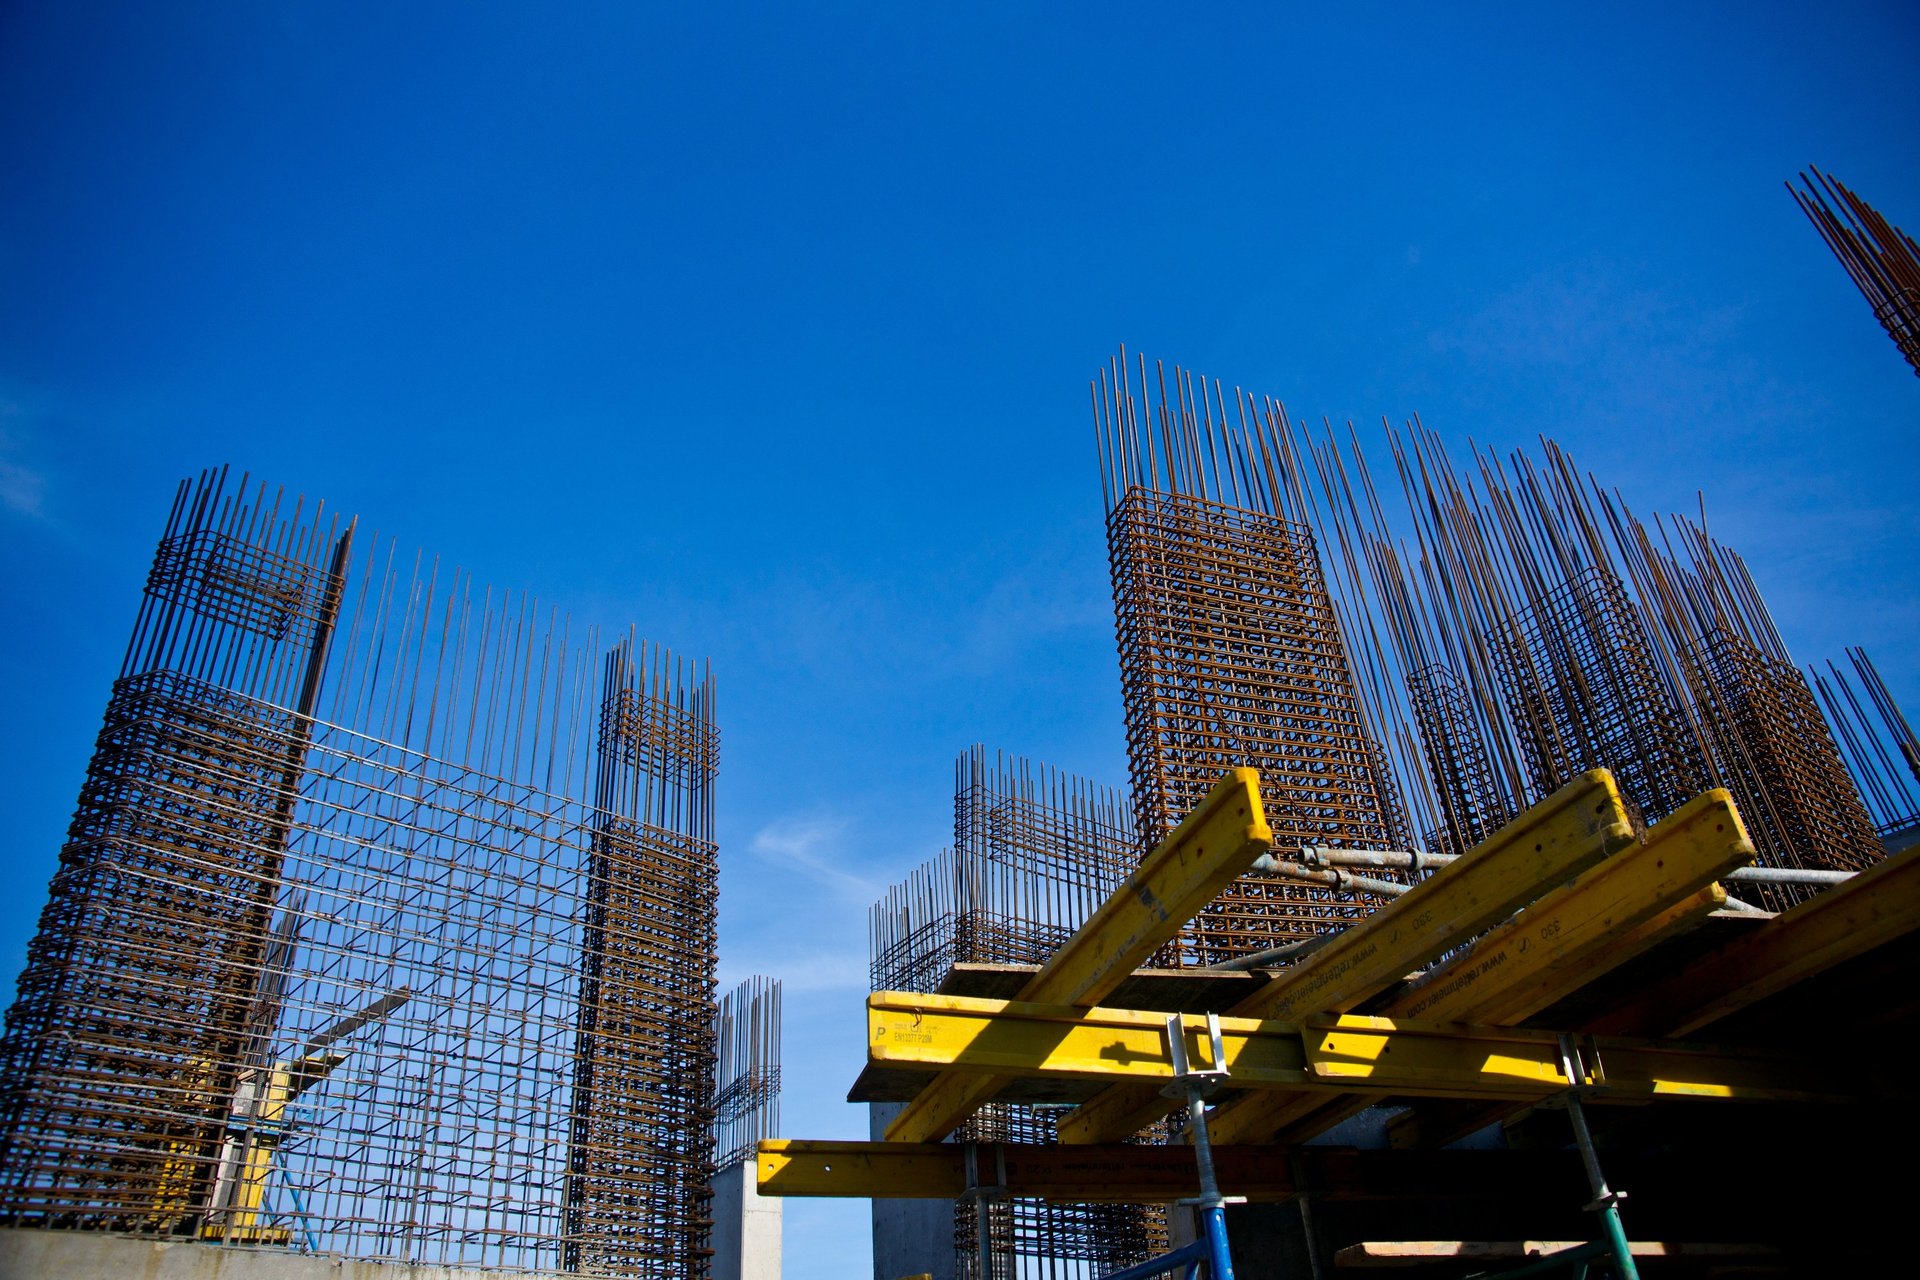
<point>92,1255</point>
<point>746,1228</point>
<point>910,1237</point>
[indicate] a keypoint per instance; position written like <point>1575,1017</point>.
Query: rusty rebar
<point>1881,259</point>
<point>1035,852</point>
<point>363,941</point>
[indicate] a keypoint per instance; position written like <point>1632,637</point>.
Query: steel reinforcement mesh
<point>1583,692</point>
<point>1771,748</point>
<point>747,1073</point>
<point>1231,655</point>
<point>1880,747</point>
<point>1458,765</point>
<point>1882,259</point>
<point>340,959</point>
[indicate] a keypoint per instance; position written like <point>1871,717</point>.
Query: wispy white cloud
<point>815,970</point>
<point>807,845</point>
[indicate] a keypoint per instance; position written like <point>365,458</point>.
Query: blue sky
<point>768,330</point>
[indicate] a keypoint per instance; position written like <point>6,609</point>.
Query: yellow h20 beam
<point>1078,1175</point>
<point>1562,835</point>
<point>1877,906</point>
<point>1216,843</point>
<point>1002,1040</point>
<point>1549,950</point>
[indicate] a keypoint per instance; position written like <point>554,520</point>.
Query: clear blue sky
<point>769,331</point>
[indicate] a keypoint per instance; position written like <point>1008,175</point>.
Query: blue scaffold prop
<point>1194,1084</point>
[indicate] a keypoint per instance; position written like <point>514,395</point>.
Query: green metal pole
<point>1605,1201</point>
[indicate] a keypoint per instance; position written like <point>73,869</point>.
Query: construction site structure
<point>1882,260</point>
<point>385,924</point>
<point>1035,851</point>
<point>1576,961</point>
<point>1463,686</point>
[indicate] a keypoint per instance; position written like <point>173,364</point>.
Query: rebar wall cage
<point>362,941</point>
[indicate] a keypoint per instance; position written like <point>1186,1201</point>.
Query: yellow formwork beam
<point>1872,909</point>
<point>1298,1118</point>
<point>1114,1173</point>
<point>1568,938</point>
<point>1547,951</point>
<point>1562,835</point>
<point>891,1170</point>
<point>1217,842</point>
<point>1011,1039</point>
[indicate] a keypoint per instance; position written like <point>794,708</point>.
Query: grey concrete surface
<point>910,1237</point>
<point>92,1255</point>
<point>746,1227</point>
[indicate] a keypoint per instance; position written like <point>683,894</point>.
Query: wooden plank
<point>1561,836</point>
<point>1216,843</point>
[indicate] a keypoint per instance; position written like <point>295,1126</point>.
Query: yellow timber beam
<point>1549,950</point>
<point>1115,1173</point>
<point>1130,1174</point>
<point>1571,936</point>
<point>1009,1039</point>
<point>1561,836</point>
<point>1868,911</point>
<point>1216,843</point>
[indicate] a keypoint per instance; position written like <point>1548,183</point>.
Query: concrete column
<point>910,1237</point>
<point>746,1227</point>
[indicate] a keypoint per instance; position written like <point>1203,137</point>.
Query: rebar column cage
<point>314,971</point>
<point>1517,627</point>
<point>1459,769</point>
<point>1583,692</point>
<point>1232,651</point>
<point>1771,749</point>
<point>1881,748</point>
<point>1035,852</point>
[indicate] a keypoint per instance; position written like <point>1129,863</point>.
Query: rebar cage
<point>383,928</point>
<point>1440,672</point>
